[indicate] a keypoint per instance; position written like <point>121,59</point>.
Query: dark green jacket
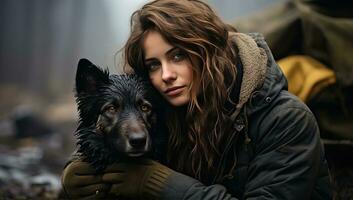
<point>282,156</point>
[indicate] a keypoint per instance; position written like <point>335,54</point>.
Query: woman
<point>234,130</point>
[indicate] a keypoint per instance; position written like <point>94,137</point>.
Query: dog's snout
<point>137,140</point>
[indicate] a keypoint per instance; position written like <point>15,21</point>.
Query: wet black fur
<point>94,88</point>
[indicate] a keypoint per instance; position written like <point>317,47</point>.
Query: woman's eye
<point>145,108</point>
<point>178,57</point>
<point>152,66</point>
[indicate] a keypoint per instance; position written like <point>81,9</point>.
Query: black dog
<point>116,115</point>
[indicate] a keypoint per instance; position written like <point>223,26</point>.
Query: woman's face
<point>170,69</point>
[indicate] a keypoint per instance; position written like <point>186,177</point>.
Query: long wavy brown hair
<point>197,132</point>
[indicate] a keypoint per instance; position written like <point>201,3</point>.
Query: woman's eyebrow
<point>166,53</point>
<point>149,59</point>
<point>170,51</point>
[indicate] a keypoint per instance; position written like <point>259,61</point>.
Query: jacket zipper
<point>238,126</point>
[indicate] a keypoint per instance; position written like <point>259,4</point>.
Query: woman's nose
<point>168,73</point>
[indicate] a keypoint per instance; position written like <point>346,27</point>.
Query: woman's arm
<point>148,179</point>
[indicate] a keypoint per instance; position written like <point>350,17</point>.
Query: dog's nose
<point>137,140</point>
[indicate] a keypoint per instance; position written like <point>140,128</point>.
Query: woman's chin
<point>178,101</point>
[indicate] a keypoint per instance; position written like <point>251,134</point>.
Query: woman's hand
<point>147,179</point>
<point>81,181</point>
<point>141,179</point>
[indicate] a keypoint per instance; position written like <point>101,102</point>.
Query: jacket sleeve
<point>288,157</point>
<point>180,186</point>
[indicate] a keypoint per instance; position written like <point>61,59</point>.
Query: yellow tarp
<point>306,76</point>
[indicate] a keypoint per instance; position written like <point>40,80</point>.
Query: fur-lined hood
<point>261,81</point>
<point>262,78</point>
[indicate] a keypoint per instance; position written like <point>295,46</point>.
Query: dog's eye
<point>145,108</point>
<point>111,109</point>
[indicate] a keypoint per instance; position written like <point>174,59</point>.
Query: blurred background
<point>41,42</point>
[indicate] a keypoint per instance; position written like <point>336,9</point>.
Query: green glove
<point>138,179</point>
<point>80,181</point>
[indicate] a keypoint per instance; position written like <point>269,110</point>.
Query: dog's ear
<point>89,77</point>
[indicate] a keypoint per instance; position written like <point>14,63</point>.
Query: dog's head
<point>116,115</point>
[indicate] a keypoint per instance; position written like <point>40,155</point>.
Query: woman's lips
<point>174,91</point>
